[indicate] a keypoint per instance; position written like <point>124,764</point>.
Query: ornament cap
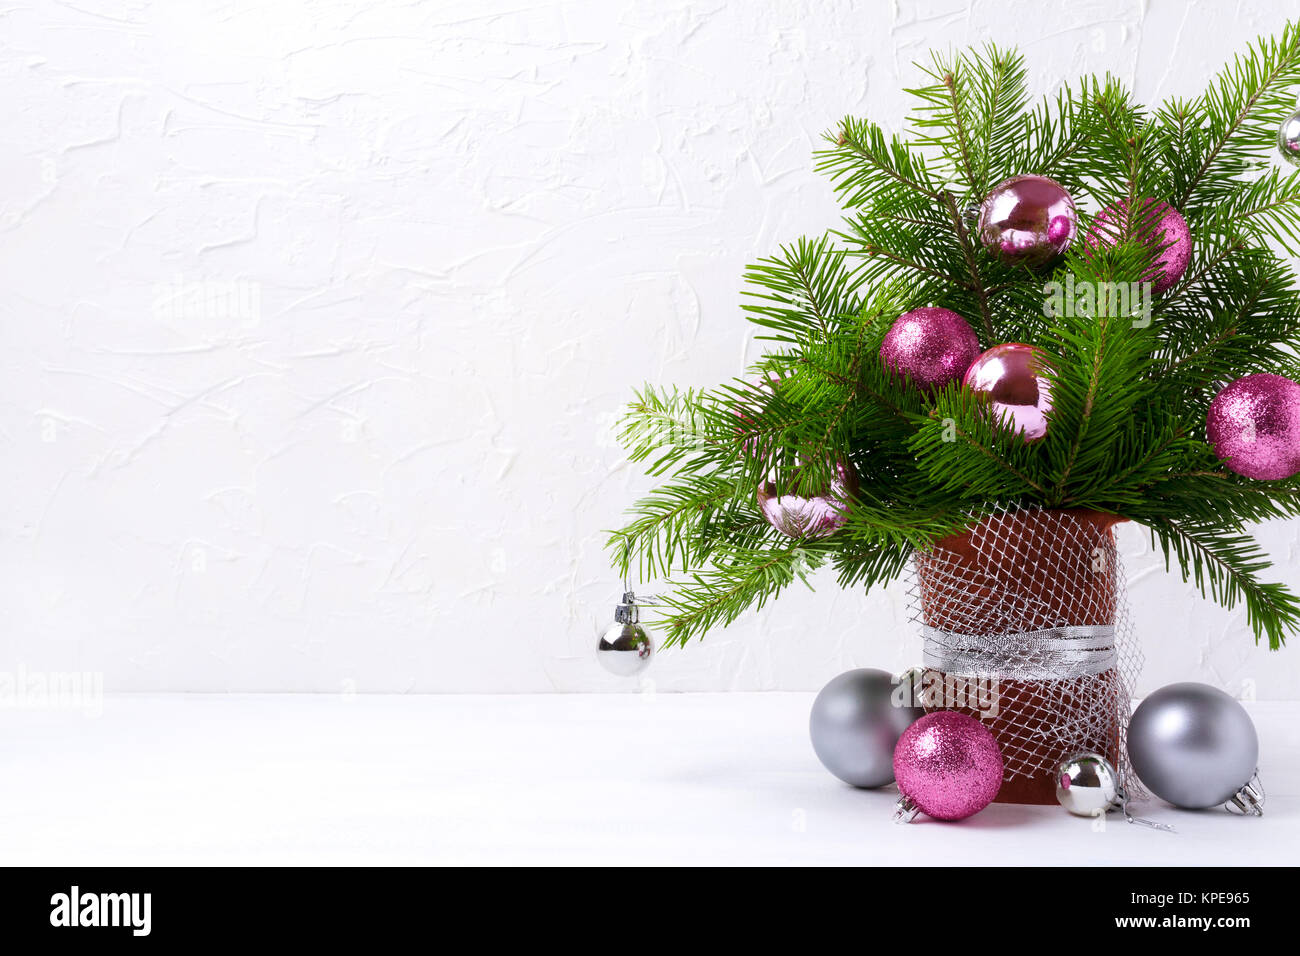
<point>905,810</point>
<point>627,612</point>
<point>1249,800</point>
<point>910,687</point>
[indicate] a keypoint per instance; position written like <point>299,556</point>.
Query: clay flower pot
<point>1020,616</point>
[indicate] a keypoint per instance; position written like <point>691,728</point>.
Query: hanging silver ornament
<point>1288,139</point>
<point>1195,747</point>
<point>625,649</point>
<point>1086,785</point>
<point>855,723</point>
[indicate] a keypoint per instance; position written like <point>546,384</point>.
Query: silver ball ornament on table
<point>1196,747</point>
<point>1086,785</point>
<point>855,723</point>
<point>1288,139</point>
<point>625,649</point>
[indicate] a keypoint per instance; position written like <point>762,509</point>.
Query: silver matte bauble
<point>855,723</point>
<point>1288,139</point>
<point>1195,747</point>
<point>1087,785</point>
<point>625,649</point>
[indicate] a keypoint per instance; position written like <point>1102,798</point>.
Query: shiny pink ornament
<point>1159,224</point>
<point>1027,220</point>
<point>1254,426</point>
<point>1008,379</point>
<point>810,516</point>
<point>948,766</point>
<point>931,346</point>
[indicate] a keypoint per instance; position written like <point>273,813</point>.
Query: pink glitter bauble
<point>948,765</point>
<point>1161,225</point>
<point>1254,426</point>
<point>809,516</point>
<point>931,346</point>
<point>1008,378</point>
<point>1027,220</point>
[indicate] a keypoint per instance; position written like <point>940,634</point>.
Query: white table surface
<point>556,779</point>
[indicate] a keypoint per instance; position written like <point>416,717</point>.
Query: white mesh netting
<point>1026,620</point>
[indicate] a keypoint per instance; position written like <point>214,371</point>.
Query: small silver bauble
<point>855,723</point>
<point>1087,785</point>
<point>1288,139</point>
<point>625,649</point>
<point>1195,747</point>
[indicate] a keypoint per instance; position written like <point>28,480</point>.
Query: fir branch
<point>876,252</point>
<point>862,163</point>
<point>738,580</point>
<point>972,113</point>
<point>1242,103</point>
<point>976,281</point>
<point>970,454</point>
<point>959,130</point>
<point>1223,566</point>
<point>806,290</point>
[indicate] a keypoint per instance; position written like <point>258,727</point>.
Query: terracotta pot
<point>1047,570</point>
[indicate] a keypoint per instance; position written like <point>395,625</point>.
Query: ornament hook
<point>1122,801</point>
<point>1249,800</point>
<point>905,810</point>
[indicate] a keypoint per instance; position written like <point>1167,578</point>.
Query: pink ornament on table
<point>1254,426</point>
<point>1009,379</point>
<point>1027,220</point>
<point>931,346</point>
<point>809,515</point>
<point>1159,224</point>
<point>948,766</point>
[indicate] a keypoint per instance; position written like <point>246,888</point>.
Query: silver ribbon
<point>1054,653</point>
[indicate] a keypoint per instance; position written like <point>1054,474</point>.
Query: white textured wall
<point>424,251</point>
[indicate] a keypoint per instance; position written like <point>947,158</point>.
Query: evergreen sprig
<point>1130,390</point>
